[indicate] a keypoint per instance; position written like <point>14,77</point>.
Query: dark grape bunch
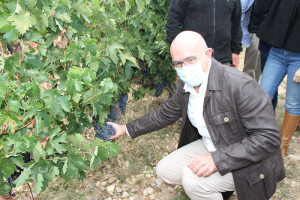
<point>159,87</point>
<point>10,49</point>
<point>123,101</point>
<point>112,114</point>
<point>144,69</point>
<point>104,132</point>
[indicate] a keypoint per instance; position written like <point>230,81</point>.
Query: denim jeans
<point>280,63</point>
<point>264,52</point>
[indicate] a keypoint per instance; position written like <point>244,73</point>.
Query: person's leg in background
<point>275,70</point>
<point>252,58</point>
<point>264,52</point>
<point>292,104</point>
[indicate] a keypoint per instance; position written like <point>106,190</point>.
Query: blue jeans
<point>280,63</point>
<point>264,52</point>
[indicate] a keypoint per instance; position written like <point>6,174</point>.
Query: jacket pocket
<point>263,178</point>
<point>227,126</point>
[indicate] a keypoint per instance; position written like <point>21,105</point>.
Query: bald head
<point>187,43</point>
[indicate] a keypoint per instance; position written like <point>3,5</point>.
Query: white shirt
<point>195,113</point>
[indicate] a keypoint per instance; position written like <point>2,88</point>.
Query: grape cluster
<point>123,101</point>
<point>159,87</point>
<point>104,132</point>
<point>10,49</point>
<point>112,114</point>
<point>144,69</point>
<point>26,157</point>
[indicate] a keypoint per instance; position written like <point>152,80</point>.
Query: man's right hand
<point>120,130</point>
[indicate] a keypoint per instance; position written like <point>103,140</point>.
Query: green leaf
<point>112,51</point>
<point>140,5</point>
<point>14,6</point>
<point>24,176</point>
<point>11,35</point>
<point>79,141</point>
<point>112,149</point>
<point>65,167</point>
<point>107,85</point>
<point>17,160</point>
<point>60,143</point>
<point>38,184</point>
<point>54,172</point>
<point>38,152</point>
<point>7,167</point>
<point>129,57</point>
<point>4,188</point>
<point>22,21</point>
<point>64,102</point>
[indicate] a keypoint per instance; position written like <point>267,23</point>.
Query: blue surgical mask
<point>192,74</point>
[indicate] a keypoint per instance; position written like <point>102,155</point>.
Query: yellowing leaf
<point>22,21</point>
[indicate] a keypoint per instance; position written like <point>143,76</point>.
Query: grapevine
<point>60,60</point>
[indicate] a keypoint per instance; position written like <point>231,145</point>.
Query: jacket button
<point>226,119</point>
<point>262,176</point>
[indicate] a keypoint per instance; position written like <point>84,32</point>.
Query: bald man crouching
<point>229,140</point>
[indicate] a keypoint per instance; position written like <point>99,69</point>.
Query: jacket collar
<point>214,78</point>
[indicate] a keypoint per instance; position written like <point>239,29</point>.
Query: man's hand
<point>202,165</point>
<point>235,60</point>
<point>296,78</point>
<point>120,130</point>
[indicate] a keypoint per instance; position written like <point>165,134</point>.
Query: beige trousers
<point>173,170</point>
<point>252,65</point>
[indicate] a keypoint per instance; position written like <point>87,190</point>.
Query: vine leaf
<point>112,50</point>
<point>24,176</point>
<point>38,184</point>
<point>38,152</point>
<point>7,167</point>
<point>57,143</point>
<point>23,21</point>
<point>140,5</point>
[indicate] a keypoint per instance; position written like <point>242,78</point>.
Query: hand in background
<point>296,78</point>
<point>235,60</point>
<point>120,130</point>
<point>202,165</point>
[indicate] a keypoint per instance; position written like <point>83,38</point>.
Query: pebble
<point>119,190</point>
<point>152,196</point>
<point>107,176</point>
<point>110,188</point>
<point>112,180</point>
<point>98,184</point>
<point>148,191</point>
<point>131,198</point>
<point>127,163</point>
<point>294,157</point>
<point>104,183</point>
<point>125,195</point>
<point>91,185</point>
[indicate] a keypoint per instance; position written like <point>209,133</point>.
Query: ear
<point>209,52</point>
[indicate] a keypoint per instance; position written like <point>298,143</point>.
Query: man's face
<point>187,56</point>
